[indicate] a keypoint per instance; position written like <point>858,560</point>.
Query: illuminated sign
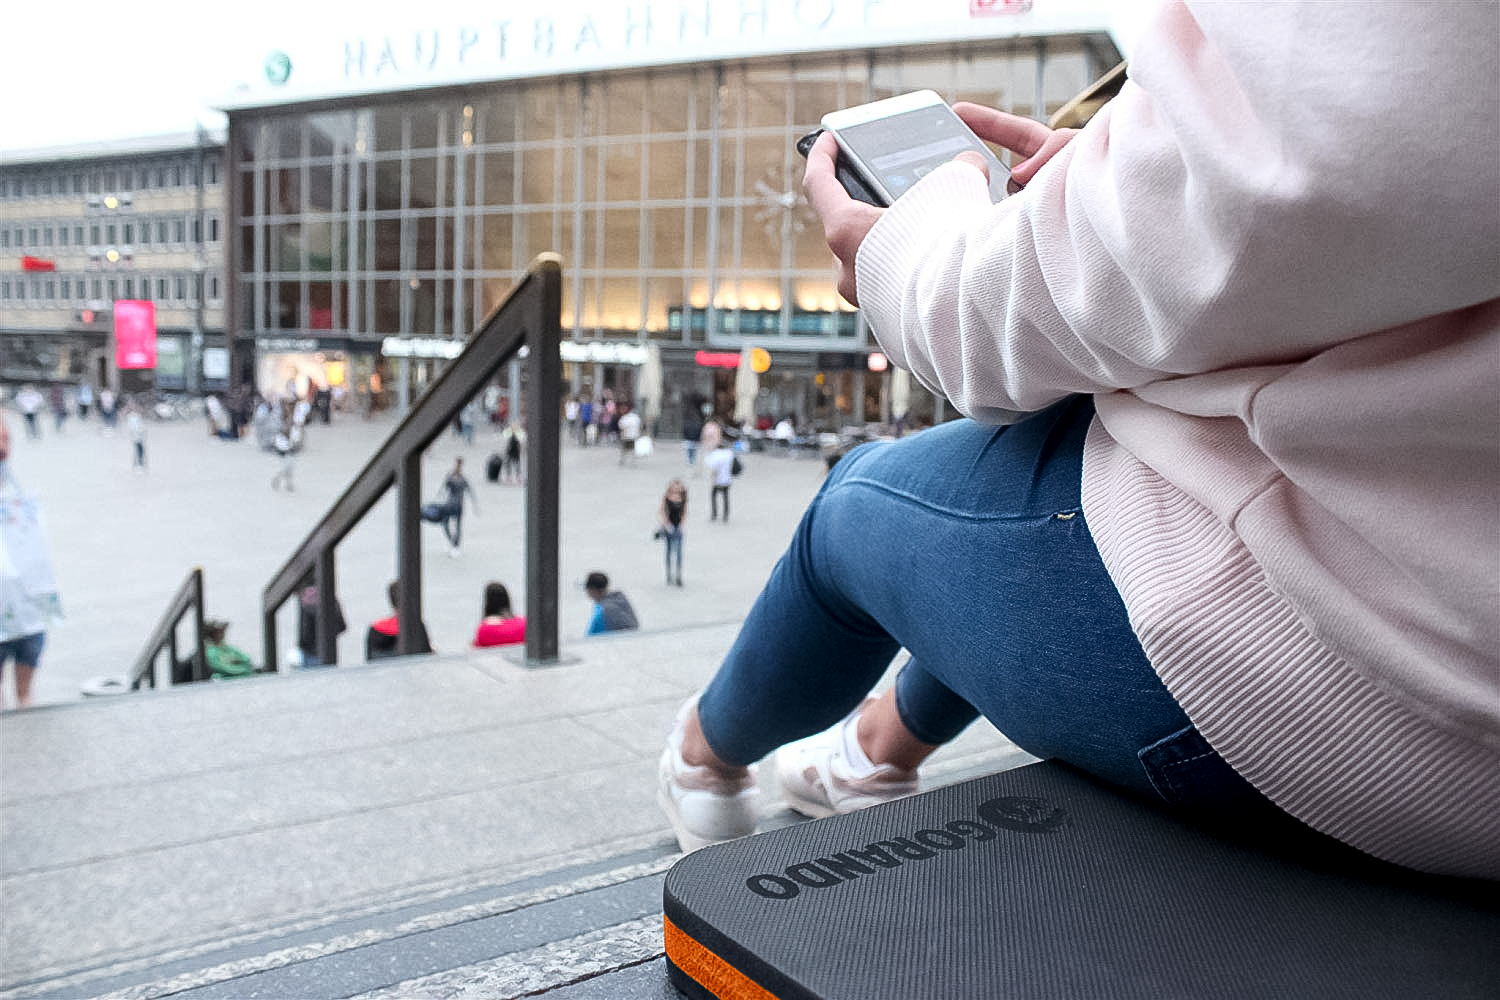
<point>464,41</point>
<point>603,352</point>
<point>718,359</point>
<point>135,334</point>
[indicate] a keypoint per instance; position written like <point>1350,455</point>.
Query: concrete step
<point>518,932</point>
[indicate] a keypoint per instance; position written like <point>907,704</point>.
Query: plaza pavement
<point>451,826</point>
<point>122,543</point>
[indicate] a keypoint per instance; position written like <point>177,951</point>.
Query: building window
<point>179,288</point>
<point>177,174</point>
<point>213,288</point>
<point>46,236</point>
<point>62,236</point>
<point>130,288</point>
<point>35,237</point>
<point>5,289</point>
<point>78,183</point>
<point>110,231</point>
<point>67,288</point>
<point>161,289</point>
<point>94,234</point>
<point>128,231</point>
<point>179,231</point>
<point>212,165</point>
<point>78,236</point>
<point>4,238</point>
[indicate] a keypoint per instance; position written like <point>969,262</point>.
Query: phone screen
<point>901,149</point>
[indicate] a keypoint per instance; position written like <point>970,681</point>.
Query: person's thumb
<point>974,159</point>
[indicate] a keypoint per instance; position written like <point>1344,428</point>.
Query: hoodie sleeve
<point>1268,184</point>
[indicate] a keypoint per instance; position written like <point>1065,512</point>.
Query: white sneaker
<point>829,774</point>
<point>703,806</point>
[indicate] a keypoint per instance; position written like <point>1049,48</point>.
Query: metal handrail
<point>189,597</point>
<point>530,316</point>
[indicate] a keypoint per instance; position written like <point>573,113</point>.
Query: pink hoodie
<point>1275,261</point>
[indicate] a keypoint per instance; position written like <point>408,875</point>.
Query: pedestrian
<point>135,429</point>
<point>307,626</point>
<point>629,428</point>
<point>286,459</point>
<point>612,611</point>
<point>85,400</point>
<point>514,436</point>
<point>382,637</point>
<point>499,626</point>
<point>720,464</point>
<point>28,590</point>
<point>466,418</point>
<point>570,414</point>
<point>107,412</point>
<point>455,489</point>
<point>1224,363</point>
<point>30,403</point>
<point>670,514</point>
<point>585,421</point>
<point>710,437</point>
<point>692,430</point>
<point>59,398</point>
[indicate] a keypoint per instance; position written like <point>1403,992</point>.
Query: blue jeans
<point>673,538</point>
<point>967,546</point>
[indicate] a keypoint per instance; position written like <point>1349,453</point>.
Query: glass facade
<point>672,195</point>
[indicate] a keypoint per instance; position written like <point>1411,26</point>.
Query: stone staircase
<point>446,826</point>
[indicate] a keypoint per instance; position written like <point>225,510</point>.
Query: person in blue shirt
<point>612,612</point>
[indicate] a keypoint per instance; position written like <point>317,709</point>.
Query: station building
<point>384,185</point>
<point>85,226</point>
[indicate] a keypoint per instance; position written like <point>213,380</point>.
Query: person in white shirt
<point>720,466</point>
<point>629,424</point>
<point>28,592</point>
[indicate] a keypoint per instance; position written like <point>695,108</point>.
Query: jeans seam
<point>1165,769</point>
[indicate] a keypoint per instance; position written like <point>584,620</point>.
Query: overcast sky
<point>94,71</point>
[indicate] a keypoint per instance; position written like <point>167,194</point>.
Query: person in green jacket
<point>224,661</point>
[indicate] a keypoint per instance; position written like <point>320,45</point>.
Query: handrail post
<point>409,550</point>
<point>268,639</point>
<point>543,454</point>
<point>326,638</point>
<point>200,656</point>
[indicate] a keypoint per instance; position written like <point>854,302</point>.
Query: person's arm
<point>1227,209</point>
<point>596,621</point>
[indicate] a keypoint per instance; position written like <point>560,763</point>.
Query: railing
<point>189,598</point>
<point>530,316</point>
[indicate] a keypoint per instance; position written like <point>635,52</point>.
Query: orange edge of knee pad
<point>708,969</point>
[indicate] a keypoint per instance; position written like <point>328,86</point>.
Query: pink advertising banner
<point>135,334</point>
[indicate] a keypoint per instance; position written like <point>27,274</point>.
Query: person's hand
<point>1034,142</point>
<point>846,221</point>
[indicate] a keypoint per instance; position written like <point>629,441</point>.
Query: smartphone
<point>854,183</point>
<point>892,144</point>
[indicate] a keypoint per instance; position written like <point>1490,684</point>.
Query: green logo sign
<point>278,68</point>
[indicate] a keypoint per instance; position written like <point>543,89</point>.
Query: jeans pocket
<point>1186,771</point>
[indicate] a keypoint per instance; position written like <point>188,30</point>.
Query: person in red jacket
<point>500,626</point>
<point>381,639</point>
